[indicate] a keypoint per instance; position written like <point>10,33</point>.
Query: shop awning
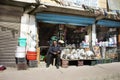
<point>109,23</point>
<point>64,19</point>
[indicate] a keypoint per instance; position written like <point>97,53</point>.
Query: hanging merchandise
<point>20,52</point>
<point>61,41</point>
<point>54,38</point>
<point>96,50</point>
<point>61,32</point>
<point>115,39</point>
<point>22,42</point>
<point>87,38</point>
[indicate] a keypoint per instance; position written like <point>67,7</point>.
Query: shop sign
<point>73,3</point>
<point>114,5</point>
<point>92,3</point>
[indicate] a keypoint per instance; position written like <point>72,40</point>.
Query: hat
<point>61,41</point>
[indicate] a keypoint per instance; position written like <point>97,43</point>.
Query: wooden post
<point>118,37</point>
<point>38,48</point>
<point>38,55</point>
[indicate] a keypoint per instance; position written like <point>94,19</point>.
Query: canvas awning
<point>109,23</point>
<point>64,19</point>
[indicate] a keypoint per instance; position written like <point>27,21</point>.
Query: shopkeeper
<point>53,52</point>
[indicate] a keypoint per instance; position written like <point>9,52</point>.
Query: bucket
<point>31,55</point>
<point>22,42</point>
<point>32,49</point>
<point>20,49</point>
<point>20,52</point>
<point>20,55</point>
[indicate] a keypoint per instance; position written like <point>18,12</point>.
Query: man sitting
<point>53,52</point>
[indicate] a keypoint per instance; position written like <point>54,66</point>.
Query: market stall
<point>74,37</point>
<point>107,38</point>
<point>72,29</point>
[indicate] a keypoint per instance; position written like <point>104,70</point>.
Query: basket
<point>31,55</point>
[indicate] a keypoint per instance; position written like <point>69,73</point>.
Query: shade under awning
<point>109,23</point>
<point>64,19</point>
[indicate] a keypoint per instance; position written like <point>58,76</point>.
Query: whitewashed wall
<point>28,29</point>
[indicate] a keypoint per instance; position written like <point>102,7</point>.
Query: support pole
<point>93,35</point>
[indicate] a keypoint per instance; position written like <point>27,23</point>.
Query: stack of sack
<point>76,54</point>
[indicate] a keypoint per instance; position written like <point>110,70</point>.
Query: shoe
<point>47,66</point>
<point>57,67</point>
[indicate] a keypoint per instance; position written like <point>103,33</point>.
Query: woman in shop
<point>53,52</point>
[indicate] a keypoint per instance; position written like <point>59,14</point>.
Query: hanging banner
<point>73,3</point>
<point>102,4</point>
<point>92,3</point>
<point>114,4</point>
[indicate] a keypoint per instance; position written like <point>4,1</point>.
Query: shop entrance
<point>45,31</point>
<point>72,29</point>
<point>71,35</point>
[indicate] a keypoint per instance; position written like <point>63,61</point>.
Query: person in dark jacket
<point>53,52</point>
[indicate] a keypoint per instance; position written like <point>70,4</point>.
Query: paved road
<point>109,71</point>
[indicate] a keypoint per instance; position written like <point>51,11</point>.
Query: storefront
<point>108,38</point>
<point>74,30</point>
<point>75,25</point>
<point>79,32</point>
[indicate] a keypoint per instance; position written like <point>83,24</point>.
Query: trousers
<point>50,58</point>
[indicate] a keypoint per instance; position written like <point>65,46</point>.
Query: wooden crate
<point>65,63</point>
<point>64,66</point>
<point>21,60</point>
<point>33,63</point>
<point>80,62</point>
<point>100,61</point>
<point>93,62</point>
<point>22,66</point>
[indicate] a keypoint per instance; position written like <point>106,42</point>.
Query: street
<point>110,71</point>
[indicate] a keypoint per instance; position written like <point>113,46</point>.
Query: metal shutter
<point>9,33</point>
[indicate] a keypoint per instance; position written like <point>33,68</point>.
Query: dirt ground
<point>110,71</point>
